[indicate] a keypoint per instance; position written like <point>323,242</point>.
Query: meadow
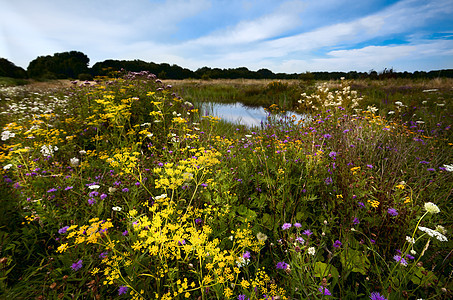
<point>122,190</point>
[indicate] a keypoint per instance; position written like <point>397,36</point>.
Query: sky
<point>293,36</point>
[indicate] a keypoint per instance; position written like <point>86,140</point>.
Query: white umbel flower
<point>431,208</point>
<point>433,233</point>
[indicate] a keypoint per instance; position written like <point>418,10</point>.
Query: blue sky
<point>284,36</point>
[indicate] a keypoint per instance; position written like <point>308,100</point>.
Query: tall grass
<point>122,190</point>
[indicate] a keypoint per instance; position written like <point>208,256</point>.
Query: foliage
<point>60,65</point>
<point>120,189</point>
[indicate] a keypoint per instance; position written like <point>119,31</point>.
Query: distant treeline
<point>74,65</point>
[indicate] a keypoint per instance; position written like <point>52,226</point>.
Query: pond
<point>238,113</point>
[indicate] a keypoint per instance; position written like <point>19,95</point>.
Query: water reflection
<point>237,113</point>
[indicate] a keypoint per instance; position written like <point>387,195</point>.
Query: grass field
<point>121,190</point>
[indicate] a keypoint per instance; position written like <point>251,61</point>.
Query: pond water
<point>237,113</point>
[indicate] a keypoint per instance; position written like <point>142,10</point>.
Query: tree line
<point>75,65</point>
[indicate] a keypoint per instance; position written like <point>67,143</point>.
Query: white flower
<point>248,136</point>
<point>47,150</point>
<point>163,196</point>
<point>431,208</point>
<point>7,167</point>
<point>82,152</point>
<point>399,103</point>
<point>7,134</point>
<point>441,229</point>
<point>410,240</point>
<point>261,237</point>
<point>116,208</point>
<point>372,109</point>
<point>413,252</point>
<point>112,190</point>
<point>311,251</point>
<point>448,168</point>
<point>94,187</point>
<point>391,112</point>
<point>433,233</point>
<point>419,122</point>
<point>74,162</point>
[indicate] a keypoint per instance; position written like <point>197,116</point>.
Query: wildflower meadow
<point>121,189</point>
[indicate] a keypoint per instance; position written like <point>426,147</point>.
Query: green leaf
<point>323,270</point>
<point>354,261</point>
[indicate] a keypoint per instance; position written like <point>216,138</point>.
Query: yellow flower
<point>62,248</point>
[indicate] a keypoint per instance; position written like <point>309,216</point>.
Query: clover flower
<point>311,250</point>
<point>431,208</point>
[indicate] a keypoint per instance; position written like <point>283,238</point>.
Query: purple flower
<point>122,290</point>
<point>328,180</point>
<point>356,221</point>
<point>91,201</point>
<point>246,255</point>
<point>393,212</point>
<point>197,221</point>
<point>63,230</point>
<point>243,297</point>
<point>408,256</point>
<point>103,255</point>
<point>424,162</point>
<point>68,188</point>
<point>183,242</point>
<point>333,154</point>
<point>93,194</point>
<point>370,166</point>
<point>125,232</point>
<point>337,244</point>
<point>125,190</point>
<point>52,190</point>
<point>399,259</point>
<point>431,169</point>
<point>103,196</point>
<point>327,136</point>
<point>361,204</point>
<point>307,232</point>
<point>77,265</point>
<point>377,296</point>
<point>297,225</point>
<point>137,183</point>
<point>300,240</point>
<point>282,265</point>
<point>324,291</point>
<point>286,226</point>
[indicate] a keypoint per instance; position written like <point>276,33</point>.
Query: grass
<point>121,190</point>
